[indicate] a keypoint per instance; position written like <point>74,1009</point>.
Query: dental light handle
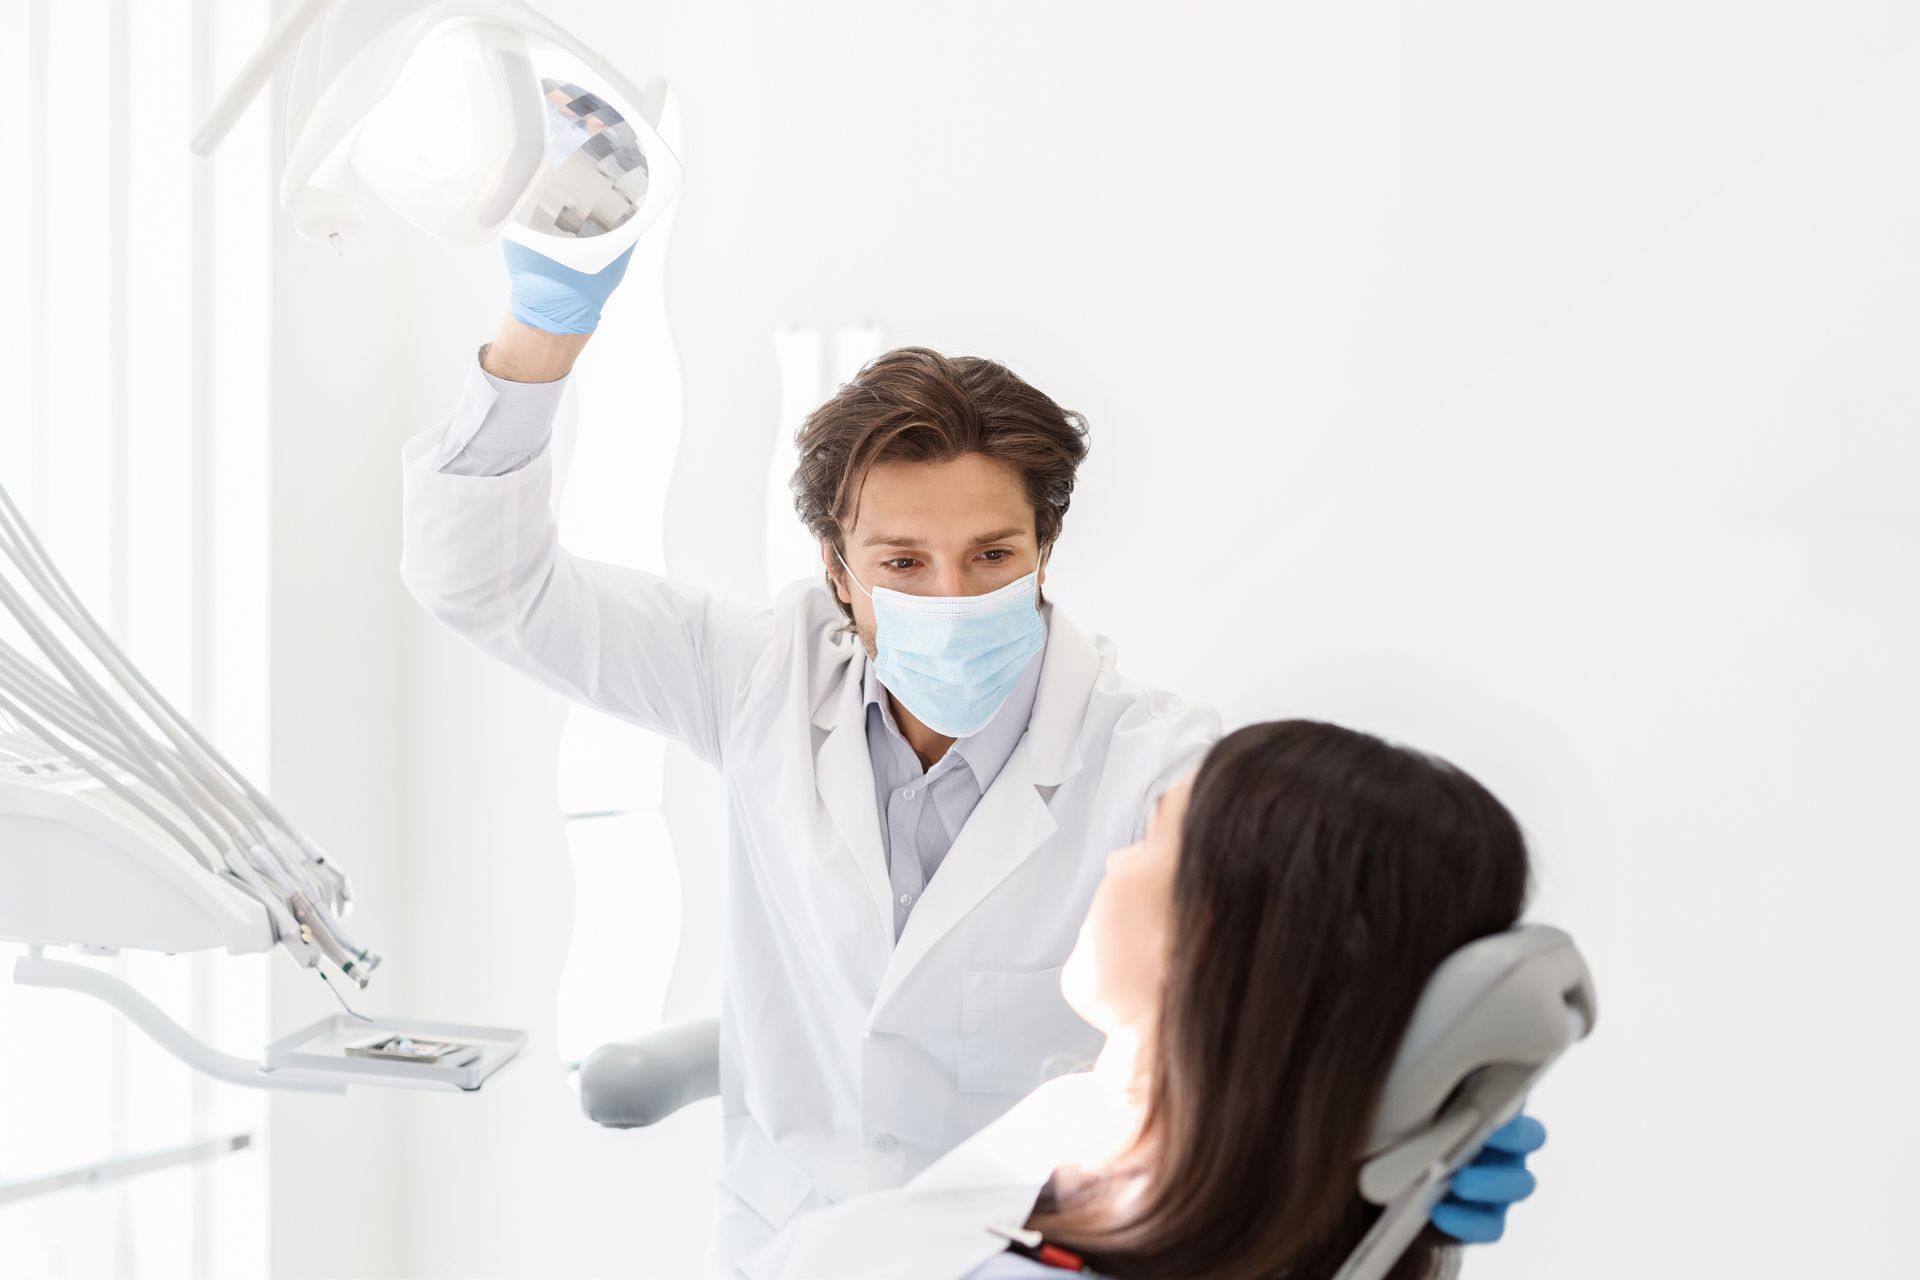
<point>325,210</point>
<point>259,69</point>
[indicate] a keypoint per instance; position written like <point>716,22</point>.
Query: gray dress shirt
<point>501,426</point>
<point>922,810</point>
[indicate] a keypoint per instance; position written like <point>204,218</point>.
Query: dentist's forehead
<point>918,504</point>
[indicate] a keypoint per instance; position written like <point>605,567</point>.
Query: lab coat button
<point>884,1142</point>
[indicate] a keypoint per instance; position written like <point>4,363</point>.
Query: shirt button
<point>906,899</point>
<point>884,1142</point>
<point>908,793</point>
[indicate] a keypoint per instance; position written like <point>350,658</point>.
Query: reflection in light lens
<point>598,177</point>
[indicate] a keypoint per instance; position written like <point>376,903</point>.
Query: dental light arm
<point>121,826</point>
<point>1493,1018</point>
<point>281,40</point>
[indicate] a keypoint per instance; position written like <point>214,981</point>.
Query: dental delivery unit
<point>121,826</point>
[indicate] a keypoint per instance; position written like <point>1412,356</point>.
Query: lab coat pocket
<point>1017,1032</point>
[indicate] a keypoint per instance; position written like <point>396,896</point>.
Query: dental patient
<point>1254,962</point>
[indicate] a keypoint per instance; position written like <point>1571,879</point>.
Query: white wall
<point>336,758</point>
<point>1530,385</point>
<point>133,349</point>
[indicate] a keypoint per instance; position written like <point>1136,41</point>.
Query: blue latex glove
<point>546,295</point>
<point>1475,1210</point>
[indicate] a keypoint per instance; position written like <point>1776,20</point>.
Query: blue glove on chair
<point>1475,1210</point>
<point>546,295</point>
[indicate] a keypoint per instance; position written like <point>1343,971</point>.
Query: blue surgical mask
<point>952,660</point>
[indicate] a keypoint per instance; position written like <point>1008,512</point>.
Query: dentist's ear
<point>829,562</point>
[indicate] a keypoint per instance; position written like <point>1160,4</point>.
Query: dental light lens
<point>598,178</point>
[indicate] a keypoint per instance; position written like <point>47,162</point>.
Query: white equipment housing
<point>81,868</point>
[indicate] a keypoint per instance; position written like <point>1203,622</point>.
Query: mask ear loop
<point>853,626</point>
<point>849,571</point>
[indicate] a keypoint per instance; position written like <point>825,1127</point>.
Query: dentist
<point>925,759</point>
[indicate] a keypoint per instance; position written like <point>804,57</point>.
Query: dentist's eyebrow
<point>900,540</point>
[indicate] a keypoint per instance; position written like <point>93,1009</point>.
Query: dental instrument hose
<point>107,720</point>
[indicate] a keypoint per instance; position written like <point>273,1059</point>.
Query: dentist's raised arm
<point>482,553</point>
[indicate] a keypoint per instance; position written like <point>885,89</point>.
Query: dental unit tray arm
<point>313,1060</point>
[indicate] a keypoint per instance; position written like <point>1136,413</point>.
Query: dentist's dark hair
<point>1323,877</point>
<point>913,404</point>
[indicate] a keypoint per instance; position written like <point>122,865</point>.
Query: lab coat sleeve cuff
<point>498,426</point>
<point>422,461</point>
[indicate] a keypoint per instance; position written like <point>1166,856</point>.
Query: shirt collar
<point>988,748</point>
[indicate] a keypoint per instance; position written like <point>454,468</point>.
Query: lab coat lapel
<point>843,775</point>
<point>1012,818</point>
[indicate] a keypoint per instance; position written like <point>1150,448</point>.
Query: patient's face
<point>1117,971</point>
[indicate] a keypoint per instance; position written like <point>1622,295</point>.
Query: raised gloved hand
<point>1475,1210</point>
<point>546,295</point>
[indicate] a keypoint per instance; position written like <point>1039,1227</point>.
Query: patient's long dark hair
<point>1323,876</point>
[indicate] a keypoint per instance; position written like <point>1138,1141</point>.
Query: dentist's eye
<point>900,564</point>
<point>999,555</point>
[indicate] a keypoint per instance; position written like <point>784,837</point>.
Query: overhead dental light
<point>471,119</point>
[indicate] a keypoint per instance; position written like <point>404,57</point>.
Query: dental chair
<point>1493,1018</point>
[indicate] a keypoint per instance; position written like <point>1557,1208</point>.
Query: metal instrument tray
<point>321,1050</point>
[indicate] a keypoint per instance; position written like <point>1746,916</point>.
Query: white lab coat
<point>939,1226</point>
<point>848,1063</point>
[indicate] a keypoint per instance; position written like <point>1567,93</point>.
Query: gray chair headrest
<point>1493,1017</point>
